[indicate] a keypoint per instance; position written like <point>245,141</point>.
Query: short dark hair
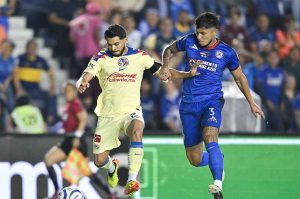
<point>115,31</point>
<point>207,20</point>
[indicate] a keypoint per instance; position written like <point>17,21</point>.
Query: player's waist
<point>102,112</point>
<point>200,97</point>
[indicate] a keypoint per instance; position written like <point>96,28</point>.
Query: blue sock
<point>205,158</point>
<point>216,163</point>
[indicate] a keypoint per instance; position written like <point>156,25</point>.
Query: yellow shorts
<point>110,128</point>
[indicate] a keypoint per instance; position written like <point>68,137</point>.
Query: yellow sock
<point>108,164</point>
<point>135,158</point>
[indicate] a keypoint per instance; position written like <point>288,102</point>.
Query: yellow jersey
<point>120,80</point>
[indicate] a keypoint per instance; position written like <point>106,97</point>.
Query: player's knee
<point>195,161</point>
<point>136,134</point>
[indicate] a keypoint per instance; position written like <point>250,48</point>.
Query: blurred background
<point>45,42</point>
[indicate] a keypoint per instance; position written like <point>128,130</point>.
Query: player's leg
<point>135,155</point>
<point>105,139</point>
<point>211,121</point>
<point>196,156</point>
<point>54,155</point>
<point>190,115</point>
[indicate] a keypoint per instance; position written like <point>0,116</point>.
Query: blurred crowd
<point>265,34</point>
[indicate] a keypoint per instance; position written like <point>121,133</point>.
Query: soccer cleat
<point>113,178</point>
<point>216,191</point>
<point>131,187</point>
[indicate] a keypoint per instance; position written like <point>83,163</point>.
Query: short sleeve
<point>94,66</point>
<point>148,60</point>
<point>233,61</point>
<point>181,43</point>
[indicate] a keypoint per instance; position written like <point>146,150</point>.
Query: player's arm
<point>176,74</point>
<point>166,55</point>
<point>83,82</point>
<point>242,83</point>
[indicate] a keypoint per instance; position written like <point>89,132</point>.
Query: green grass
<point>252,172</point>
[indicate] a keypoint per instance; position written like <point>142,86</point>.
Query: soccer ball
<point>70,193</point>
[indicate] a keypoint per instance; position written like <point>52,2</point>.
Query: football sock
<point>205,158</point>
<point>135,157</point>
<point>216,163</point>
<point>108,165</point>
<point>53,177</point>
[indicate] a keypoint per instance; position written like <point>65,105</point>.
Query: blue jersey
<point>208,84</point>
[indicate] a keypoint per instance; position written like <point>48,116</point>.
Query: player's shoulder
<point>226,48</point>
<point>102,55</point>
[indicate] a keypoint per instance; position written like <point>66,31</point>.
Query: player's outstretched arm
<point>176,74</point>
<point>83,82</point>
<point>242,83</point>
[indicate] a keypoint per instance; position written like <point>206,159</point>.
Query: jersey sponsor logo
<point>194,47</point>
<point>123,63</point>
<point>97,138</point>
<point>205,65</point>
<point>121,77</point>
<point>219,54</point>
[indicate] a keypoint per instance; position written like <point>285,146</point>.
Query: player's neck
<point>212,43</point>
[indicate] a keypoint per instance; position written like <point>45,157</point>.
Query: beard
<point>119,54</point>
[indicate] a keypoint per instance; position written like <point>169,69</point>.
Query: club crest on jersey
<point>219,54</point>
<point>204,54</point>
<point>123,63</point>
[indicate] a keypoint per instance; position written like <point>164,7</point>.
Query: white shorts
<point>110,128</point>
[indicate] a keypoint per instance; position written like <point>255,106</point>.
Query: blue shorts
<point>195,116</point>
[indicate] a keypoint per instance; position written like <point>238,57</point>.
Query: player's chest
<point>211,60</point>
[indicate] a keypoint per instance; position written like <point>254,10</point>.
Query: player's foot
<point>215,191</point>
<point>113,178</point>
<point>131,187</point>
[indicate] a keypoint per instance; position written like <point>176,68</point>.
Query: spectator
<point>60,15</point>
<point>148,104</point>
<point>85,34</point>
<point>234,31</point>
<point>5,120</point>
<point>28,76</point>
<point>156,42</point>
<point>288,38</point>
<point>292,65</point>
<point>169,107</point>
<point>261,32</point>
<point>183,24</point>
<point>250,69</point>
<point>7,64</point>
<point>271,80</point>
<point>177,6</point>
<point>296,106</point>
<point>149,24</point>
<point>134,35</point>
<point>286,106</point>
<point>27,118</point>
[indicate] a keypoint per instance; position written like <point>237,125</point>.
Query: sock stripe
<point>136,145</point>
<point>106,161</point>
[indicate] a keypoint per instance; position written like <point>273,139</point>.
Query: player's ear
<point>126,40</point>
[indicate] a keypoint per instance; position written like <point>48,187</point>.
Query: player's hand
<point>193,70</point>
<point>164,73</point>
<point>75,142</point>
<point>256,110</point>
<point>82,85</point>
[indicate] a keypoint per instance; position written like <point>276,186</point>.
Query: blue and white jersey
<point>207,85</point>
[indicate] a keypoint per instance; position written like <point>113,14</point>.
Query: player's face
<point>70,93</point>
<point>206,36</point>
<point>116,45</point>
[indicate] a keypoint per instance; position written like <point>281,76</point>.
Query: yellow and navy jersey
<point>120,79</point>
<point>30,70</point>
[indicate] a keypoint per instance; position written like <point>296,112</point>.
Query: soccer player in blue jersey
<point>202,98</point>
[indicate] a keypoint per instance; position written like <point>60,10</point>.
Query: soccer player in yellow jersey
<point>119,70</point>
